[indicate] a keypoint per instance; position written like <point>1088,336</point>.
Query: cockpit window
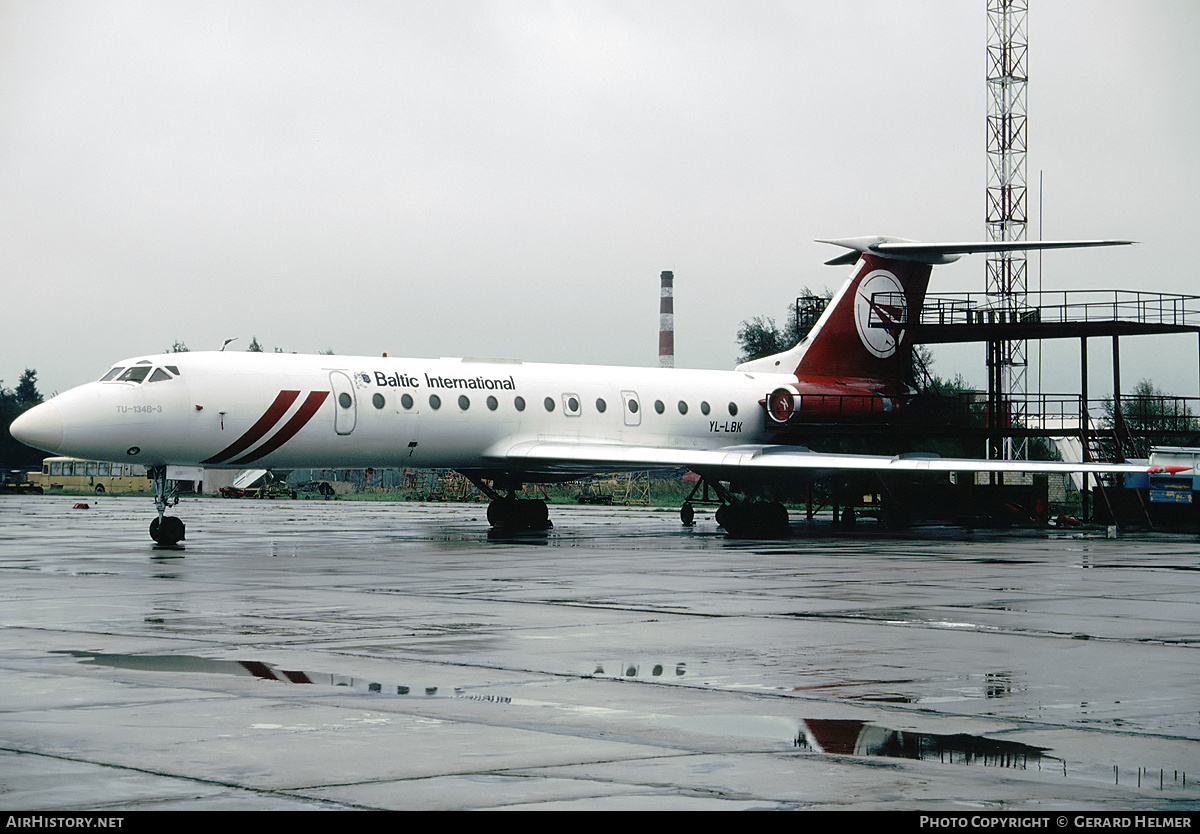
<point>111,374</point>
<point>135,374</point>
<point>160,375</point>
<point>173,369</point>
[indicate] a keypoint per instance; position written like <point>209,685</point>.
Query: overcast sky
<point>454,178</point>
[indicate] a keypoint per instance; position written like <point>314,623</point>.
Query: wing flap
<point>583,457</point>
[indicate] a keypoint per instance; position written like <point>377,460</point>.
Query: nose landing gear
<point>166,530</point>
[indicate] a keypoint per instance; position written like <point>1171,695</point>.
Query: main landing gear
<point>754,519</point>
<point>166,530</point>
<point>743,519</point>
<point>507,513</point>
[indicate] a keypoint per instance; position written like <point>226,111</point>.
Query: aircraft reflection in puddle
<point>858,738</point>
<point>835,736</point>
<point>264,671</point>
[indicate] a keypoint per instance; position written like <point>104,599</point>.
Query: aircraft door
<point>632,408</point>
<point>345,403</point>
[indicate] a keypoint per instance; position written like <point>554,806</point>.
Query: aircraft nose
<point>39,427</point>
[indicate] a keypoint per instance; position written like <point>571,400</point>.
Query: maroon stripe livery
<point>307,409</point>
<point>283,401</point>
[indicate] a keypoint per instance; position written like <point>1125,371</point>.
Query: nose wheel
<point>166,530</point>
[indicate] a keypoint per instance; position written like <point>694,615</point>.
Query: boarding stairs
<point>1113,443</point>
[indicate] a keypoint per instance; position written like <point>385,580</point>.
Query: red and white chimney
<point>666,322</point>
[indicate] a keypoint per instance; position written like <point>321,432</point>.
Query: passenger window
<point>435,402</point>
<point>519,403</point>
<point>571,405</point>
<point>733,409</point>
<point>464,402</point>
<point>601,405</point>
<point>659,407</point>
<point>682,407</point>
<point>406,400</point>
<point>492,404</point>
<point>378,401</point>
<point>549,401</point>
<point>704,409</point>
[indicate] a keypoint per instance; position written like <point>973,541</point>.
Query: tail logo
<point>880,313</point>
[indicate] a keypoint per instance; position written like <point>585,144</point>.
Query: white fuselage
<point>234,410</point>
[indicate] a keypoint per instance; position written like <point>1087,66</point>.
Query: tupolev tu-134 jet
<point>505,423</point>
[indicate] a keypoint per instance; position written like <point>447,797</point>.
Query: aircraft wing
<point>563,457</point>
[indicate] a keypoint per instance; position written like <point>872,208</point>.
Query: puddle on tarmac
<point>839,737</point>
<point>834,736</point>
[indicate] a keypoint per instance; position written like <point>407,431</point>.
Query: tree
<point>1152,416</point>
<point>13,403</point>
<point>255,347</point>
<point>178,347</point>
<point>759,337</point>
<point>27,392</point>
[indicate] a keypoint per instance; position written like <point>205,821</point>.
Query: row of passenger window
<point>571,404</point>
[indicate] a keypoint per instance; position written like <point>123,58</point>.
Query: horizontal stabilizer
<point>944,253</point>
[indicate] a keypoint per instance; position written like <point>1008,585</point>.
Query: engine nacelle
<point>809,402</point>
<point>781,405</point>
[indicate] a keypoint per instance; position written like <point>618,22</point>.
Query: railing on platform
<point>1057,307</point>
<point>1054,412</point>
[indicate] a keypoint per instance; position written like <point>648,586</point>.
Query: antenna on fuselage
<point>227,341</point>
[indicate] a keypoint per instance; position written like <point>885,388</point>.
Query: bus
<point>98,476</point>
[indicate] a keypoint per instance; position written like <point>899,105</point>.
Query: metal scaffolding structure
<point>1007,75</point>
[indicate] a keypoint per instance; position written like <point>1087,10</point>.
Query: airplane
<point>508,423</point>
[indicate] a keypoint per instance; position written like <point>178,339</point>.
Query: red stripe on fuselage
<point>283,401</point>
<point>307,409</point>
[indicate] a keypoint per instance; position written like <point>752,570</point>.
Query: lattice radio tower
<point>1007,64</point>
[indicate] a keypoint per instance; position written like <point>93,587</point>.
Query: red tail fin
<point>864,332</point>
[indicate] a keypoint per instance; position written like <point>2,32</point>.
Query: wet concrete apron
<point>359,655</point>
